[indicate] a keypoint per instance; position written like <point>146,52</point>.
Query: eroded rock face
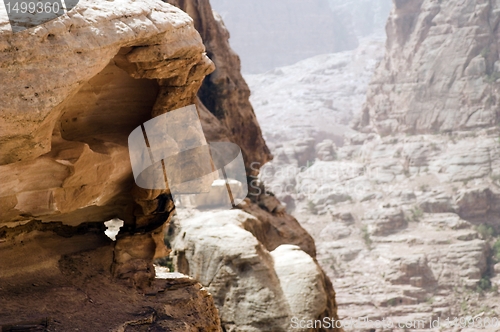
<point>216,249</point>
<point>406,217</point>
<point>302,281</point>
<point>440,70</point>
<point>73,89</point>
<point>67,121</point>
<point>258,283</point>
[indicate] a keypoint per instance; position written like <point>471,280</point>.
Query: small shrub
<point>485,51</point>
<point>483,285</point>
<point>366,237</point>
<point>310,163</point>
<point>495,177</point>
<point>166,262</point>
<point>311,207</point>
<point>424,187</point>
<point>416,213</point>
<point>391,302</point>
<point>486,231</point>
<point>496,251</point>
<point>492,78</point>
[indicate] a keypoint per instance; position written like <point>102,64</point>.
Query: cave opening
<point>92,134</point>
<point>109,106</point>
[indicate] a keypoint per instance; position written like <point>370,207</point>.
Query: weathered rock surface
<point>215,249</point>
<point>257,285</point>
<point>440,70</point>
<point>339,81</point>
<point>74,120</point>
<point>227,115</point>
<point>405,218</point>
<point>73,89</point>
<point>302,281</point>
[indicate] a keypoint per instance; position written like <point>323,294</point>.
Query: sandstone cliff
<point>74,89</point>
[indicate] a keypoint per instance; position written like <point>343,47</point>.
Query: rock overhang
<point>57,125</point>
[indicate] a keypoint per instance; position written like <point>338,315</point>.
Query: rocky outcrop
<point>257,283</point>
<point>339,81</point>
<point>302,281</point>
<point>235,264</point>
<point>236,269</point>
<point>440,70</point>
<point>73,89</point>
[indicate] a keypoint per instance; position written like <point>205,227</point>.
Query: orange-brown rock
<point>72,91</point>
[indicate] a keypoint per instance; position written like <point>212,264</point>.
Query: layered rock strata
<point>406,214</point>
<point>73,89</point>
<point>440,70</point>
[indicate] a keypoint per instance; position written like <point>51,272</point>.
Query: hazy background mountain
<point>269,34</point>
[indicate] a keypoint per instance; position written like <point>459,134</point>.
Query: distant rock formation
<point>269,34</point>
<point>414,196</point>
<point>339,82</point>
<point>441,70</point>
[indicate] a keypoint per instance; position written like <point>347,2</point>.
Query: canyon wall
<point>242,258</point>
<point>406,212</point>
<point>73,89</point>
<point>440,70</point>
